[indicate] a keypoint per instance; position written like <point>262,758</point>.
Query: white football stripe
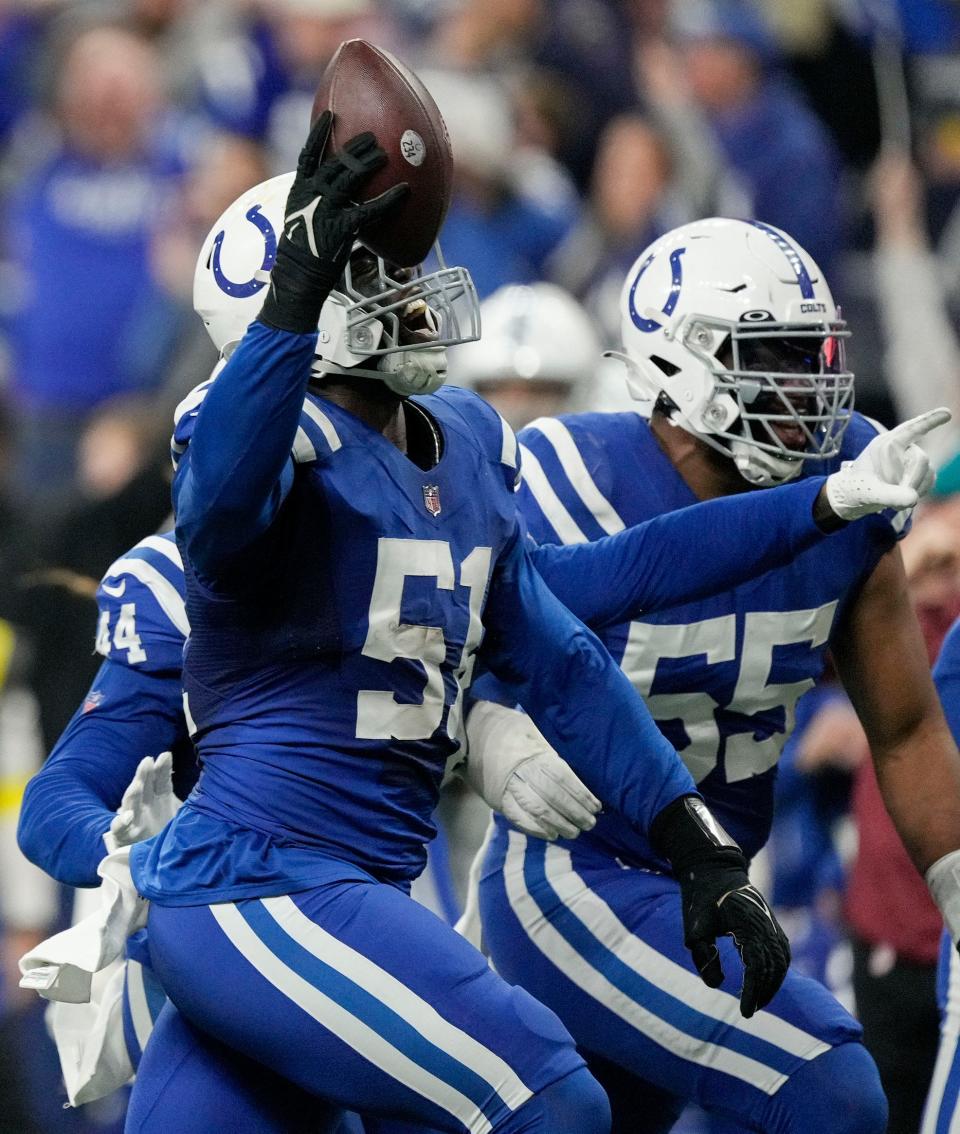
<point>576,471</point>
<point>594,913</point>
<point>947,1055</point>
<point>188,716</point>
<point>549,502</point>
<point>508,447</point>
<point>419,1013</point>
<point>191,401</point>
<point>303,450</point>
<point>343,1024</point>
<point>166,548</point>
<point>139,1008</point>
<point>592,981</point>
<point>161,588</point>
<point>324,423</point>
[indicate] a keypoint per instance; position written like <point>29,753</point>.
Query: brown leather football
<point>367,88</point>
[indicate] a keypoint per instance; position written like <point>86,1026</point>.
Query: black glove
<point>321,220</point>
<point>717,898</point>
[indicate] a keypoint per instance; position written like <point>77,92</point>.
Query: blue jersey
<point>336,608</point>
<point>133,709</point>
<point>720,675</point>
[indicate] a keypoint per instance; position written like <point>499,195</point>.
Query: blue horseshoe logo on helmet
<point>253,285</point>
<point>676,279</point>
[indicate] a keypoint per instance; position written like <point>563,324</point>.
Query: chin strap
<point>420,370</point>
<point>414,371</point>
<point>762,469</point>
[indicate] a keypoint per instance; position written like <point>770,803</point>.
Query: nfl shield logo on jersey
<point>431,498</point>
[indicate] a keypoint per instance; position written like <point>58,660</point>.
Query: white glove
<point>943,879</point>
<point>148,804</point>
<point>891,472</point>
<point>512,767</point>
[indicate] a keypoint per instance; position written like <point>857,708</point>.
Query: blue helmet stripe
<point>799,268</point>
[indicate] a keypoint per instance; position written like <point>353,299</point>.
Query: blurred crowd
<point>582,130</point>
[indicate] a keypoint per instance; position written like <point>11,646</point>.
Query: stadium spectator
<point>771,141</point>
<point>633,201</point>
<point>80,225</point>
<point>499,223</point>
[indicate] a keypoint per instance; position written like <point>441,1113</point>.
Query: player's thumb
<point>706,959</point>
<point>372,211</point>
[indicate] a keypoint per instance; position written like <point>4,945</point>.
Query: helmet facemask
<point>400,319</point>
<point>781,392</point>
<point>380,322</point>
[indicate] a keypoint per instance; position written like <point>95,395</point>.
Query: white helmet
<point>381,322</point>
<point>534,333</point>
<point>732,327</point>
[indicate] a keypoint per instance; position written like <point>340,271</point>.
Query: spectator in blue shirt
<point>780,153</point>
<point>91,319</point>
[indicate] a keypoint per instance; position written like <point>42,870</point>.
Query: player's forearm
<point>231,486</point>
<point>62,823</point>
<point>577,696</point>
<point>682,556</point>
<point>919,778</point>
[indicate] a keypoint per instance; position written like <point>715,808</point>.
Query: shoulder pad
<point>568,477</point>
<point>142,614</point>
<point>185,416</point>
<point>496,438</point>
<point>316,434</point>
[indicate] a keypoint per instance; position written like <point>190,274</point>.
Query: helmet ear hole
<point>669,368</point>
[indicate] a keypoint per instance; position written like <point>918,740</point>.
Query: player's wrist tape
<point>300,284</point>
<point>686,833</point>
<point>943,879</point>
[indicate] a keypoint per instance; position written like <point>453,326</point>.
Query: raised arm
<point>237,471</point>
<point>709,547</point>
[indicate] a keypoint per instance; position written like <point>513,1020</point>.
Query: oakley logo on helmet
<point>676,280</point>
<point>756,317</point>
<point>253,285</point>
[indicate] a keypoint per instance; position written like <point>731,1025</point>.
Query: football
<point>367,88</point>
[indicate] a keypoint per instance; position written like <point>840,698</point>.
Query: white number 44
<point>125,636</point>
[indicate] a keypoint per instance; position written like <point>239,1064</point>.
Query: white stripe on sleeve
<point>166,594</point>
<point>576,471</point>
<point>303,450</point>
<point>324,423</point>
<point>165,547</point>
<point>508,447</point>
<point>549,502</point>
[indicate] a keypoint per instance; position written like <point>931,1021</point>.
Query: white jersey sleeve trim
<point>162,590</point>
<point>324,423</point>
<point>576,471</point>
<point>165,547</point>
<point>303,450</point>
<point>548,501</point>
<point>191,401</point>
<point>508,447</point>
